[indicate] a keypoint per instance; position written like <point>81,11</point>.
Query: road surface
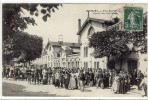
<point>22,88</point>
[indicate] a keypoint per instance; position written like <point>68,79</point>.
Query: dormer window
<point>49,48</point>
<point>58,54</point>
<point>91,31</point>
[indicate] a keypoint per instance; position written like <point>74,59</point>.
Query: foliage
<point>27,47</point>
<point>15,42</point>
<point>119,43</point>
<point>13,20</point>
<point>7,49</point>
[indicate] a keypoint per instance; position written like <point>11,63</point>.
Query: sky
<point>65,20</point>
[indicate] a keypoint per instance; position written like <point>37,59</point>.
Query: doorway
<point>111,65</point>
<point>132,64</point>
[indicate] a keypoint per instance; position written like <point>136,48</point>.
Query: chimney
<point>60,39</point>
<point>79,24</point>
<point>79,27</point>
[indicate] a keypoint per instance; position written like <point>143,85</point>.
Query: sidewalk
<point>52,91</point>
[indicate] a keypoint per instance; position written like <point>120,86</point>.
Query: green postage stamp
<point>133,18</point>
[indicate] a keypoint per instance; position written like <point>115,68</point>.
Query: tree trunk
<point>29,62</point>
<point>7,61</point>
<point>107,61</point>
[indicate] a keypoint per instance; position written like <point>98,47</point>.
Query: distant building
<point>60,54</point>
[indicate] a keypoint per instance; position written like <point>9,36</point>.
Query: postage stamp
<point>133,18</point>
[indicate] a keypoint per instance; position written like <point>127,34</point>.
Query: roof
<point>66,48</point>
<point>72,55</point>
<point>102,21</point>
<point>59,44</point>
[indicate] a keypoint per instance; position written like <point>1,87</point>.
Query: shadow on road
<point>9,89</point>
<point>87,90</point>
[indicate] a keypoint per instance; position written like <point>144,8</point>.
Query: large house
<point>135,60</point>
<point>85,31</point>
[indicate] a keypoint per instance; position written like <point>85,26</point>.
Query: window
<point>85,65</point>
<point>51,57</point>
<point>90,32</point>
<point>68,64</point>
<point>72,64</point>
<point>58,54</point>
<point>85,51</point>
<point>76,64</point>
<point>97,65</point>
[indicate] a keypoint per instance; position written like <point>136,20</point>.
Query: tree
<point>7,49</point>
<point>27,47</point>
<point>12,14</point>
<point>13,25</point>
<point>13,20</point>
<point>119,43</point>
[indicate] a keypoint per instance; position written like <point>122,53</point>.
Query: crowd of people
<point>78,78</point>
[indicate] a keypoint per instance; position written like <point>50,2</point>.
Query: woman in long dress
<point>45,77</point>
<point>72,83</point>
<point>57,79</point>
<point>143,84</point>
<point>115,85</point>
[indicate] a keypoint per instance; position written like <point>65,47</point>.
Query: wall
<point>85,43</point>
<point>143,62</point>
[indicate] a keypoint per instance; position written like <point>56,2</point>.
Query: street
<point>22,88</point>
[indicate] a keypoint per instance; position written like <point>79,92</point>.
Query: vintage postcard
<point>74,50</point>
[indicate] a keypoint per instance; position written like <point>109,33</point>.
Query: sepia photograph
<point>74,50</point>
